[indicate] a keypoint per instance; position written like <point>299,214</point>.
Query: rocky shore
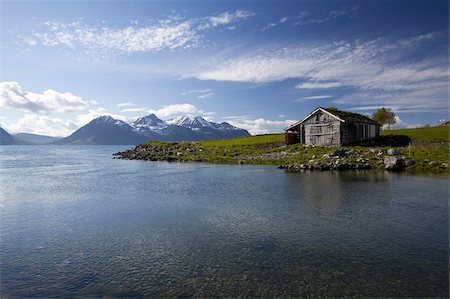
<point>301,158</point>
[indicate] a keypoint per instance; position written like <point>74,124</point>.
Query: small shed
<point>331,127</point>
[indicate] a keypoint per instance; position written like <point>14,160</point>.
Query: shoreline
<point>297,157</point>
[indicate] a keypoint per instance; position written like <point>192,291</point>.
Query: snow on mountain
<point>108,120</point>
<point>148,121</point>
<point>107,130</point>
<point>191,122</point>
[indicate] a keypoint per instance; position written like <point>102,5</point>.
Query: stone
<point>339,153</point>
<point>410,162</point>
<point>393,163</point>
<point>434,164</point>
<point>393,152</point>
<point>374,151</point>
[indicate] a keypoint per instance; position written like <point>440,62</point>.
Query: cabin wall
<point>321,129</point>
<point>354,131</point>
<point>326,130</point>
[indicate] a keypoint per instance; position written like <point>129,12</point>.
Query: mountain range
<point>107,130</point>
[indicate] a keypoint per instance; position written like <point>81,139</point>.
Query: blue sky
<point>259,65</point>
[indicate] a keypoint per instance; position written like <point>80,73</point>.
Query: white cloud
<point>134,110</point>
<point>206,95</point>
<point>228,17</point>
<point>318,85</point>
<point>202,93</point>
<point>43,125</point>
<point>127,104</point>
<point>315,97</point>
<point>346,11</point>
<point>260,125</point>
<point>50,100</point>
<point>175,109</point>
<point>166,34</point>
<point>271,25</point>
<point>83,119</point>
<point>383,72</point>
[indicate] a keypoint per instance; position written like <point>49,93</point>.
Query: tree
<point>384,117</point>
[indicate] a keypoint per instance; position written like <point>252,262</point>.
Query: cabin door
<point>319,134</point>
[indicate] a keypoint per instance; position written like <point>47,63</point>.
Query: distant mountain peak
<point>148,120</point>
<point>191,122</point>
<point>107,119</point>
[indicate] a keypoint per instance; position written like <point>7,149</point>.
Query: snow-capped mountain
<point>104,130</point>
<point>191,122</point>
<point>149,122</point>
<point>107,130</point>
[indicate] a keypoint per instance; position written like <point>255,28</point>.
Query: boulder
<point>434,164</point>
<point>375,151</point>
<point>393,152</point>
<point>393,163</point>
<point>410,162</point>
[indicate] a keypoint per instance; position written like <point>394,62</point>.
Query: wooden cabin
<point>332,127</point>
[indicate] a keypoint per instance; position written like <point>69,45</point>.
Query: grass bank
<point>427,150</point>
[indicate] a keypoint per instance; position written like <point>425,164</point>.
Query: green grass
<point>271,150</point>
<point>248,140</point>
<point>438,133</point>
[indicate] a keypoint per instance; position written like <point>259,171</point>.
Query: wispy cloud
<point>271,25</point>
<point>319,97</point>
<point>127,104</point>
<point>167,34</point>
<point>206,95</point>
<point>226,18</point>
<point>347,12</point>
<point>134,110</point>
<point>12,95</point>
<point>318,85</point>
<point>200,93</point>
<point>381,69</point>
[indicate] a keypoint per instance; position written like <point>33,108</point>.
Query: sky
<point>259,65</point>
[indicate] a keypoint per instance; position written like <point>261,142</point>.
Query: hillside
<point>8,139</point>
<point>429,156</point>
<point>438,133</point>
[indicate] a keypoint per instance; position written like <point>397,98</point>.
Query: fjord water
<point>75,222</point>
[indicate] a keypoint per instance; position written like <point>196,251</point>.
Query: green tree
<point>384,117</point>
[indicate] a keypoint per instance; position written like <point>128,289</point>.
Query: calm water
<point>75,222</point>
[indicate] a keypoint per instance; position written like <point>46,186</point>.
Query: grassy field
<point>429,148</point>
<point>439,133</point>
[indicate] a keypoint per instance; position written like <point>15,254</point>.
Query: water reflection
<point>137,229</point>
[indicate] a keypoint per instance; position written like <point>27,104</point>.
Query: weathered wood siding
<point>354,131</point>
<point>322,129</point>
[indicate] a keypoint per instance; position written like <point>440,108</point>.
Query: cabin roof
<point>340,115</point>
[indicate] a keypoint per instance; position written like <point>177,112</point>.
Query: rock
<point>393,163</point>
<point>375,151</point>
<point>393,152</point>
<point>351,152</point>
<point>434,164</point>
<point>410,162</point>
<point>444,165</point>
<point>179,153</point>
<point>339,153</point>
